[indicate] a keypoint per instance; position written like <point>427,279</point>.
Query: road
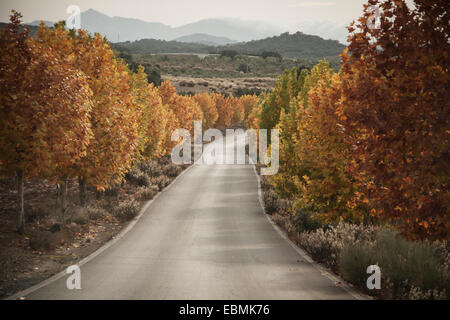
<point>205,237</point>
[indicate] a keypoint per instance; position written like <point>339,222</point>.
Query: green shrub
<point>127,210</point>
<point>410,270</point>
<point>326,245</point>
<point>270,201</point>
<point>304,221</point>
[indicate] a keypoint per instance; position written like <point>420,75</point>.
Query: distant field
<point>189,85</point>
<point>217,66</point>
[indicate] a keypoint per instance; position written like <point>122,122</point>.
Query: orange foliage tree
<point>224,108</point>
<point>209,110</point>
<point>395,111</point>
<point>45,106</point>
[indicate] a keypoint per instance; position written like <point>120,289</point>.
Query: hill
<point>297,45</point>
<point>206,39</point>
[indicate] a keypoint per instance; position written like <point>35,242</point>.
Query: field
<point>189,84</point>
<point>218,66</point>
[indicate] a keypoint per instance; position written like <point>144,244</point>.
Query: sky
<point>179,12</point>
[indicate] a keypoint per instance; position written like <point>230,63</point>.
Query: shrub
<point>172,170</point>
<point>127,210</point>
<point>95,213</point>
<point>326,245</point>
<point>161,181</point>
<point>410,270</point>
<point>304,221</point>
<point>138,178</point>
<point>79,215</point>
<point>152,168</point>
<point>147,193</point>
<point>270,201</point>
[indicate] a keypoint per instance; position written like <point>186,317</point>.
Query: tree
<point>209,110</point>
<point>44,110</point>
<point>248,102</point>
<point>395,111</point>
<point>113,117</point>
<point>286,88</point>
<point>238,110</point>
<point>152,120</point>
<point>224,108</point>
<point>185,108</point>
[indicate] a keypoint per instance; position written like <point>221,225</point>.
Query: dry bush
<point>161,182</point>
<point>95,213</point>
<point>127,210</point>
<point>138,178</point>
<point>172,170</point>
<point>147,193</point>
<point>79,215</point>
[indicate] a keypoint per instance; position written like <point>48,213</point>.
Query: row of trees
<point>371,143</point>
<point>71,108</point>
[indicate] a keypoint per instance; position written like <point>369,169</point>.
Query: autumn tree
<point>395,111</point>
<point>152,119</point>
<point>224,109</point>
<point>113,118</point>
<point>248,102</point>
<point>238,110</point>
<point>209,110</point>
<point>186,109</point>
<point>45,106</point>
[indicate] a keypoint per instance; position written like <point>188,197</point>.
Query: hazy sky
<point>178,12</point>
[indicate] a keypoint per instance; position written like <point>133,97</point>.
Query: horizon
<point>327,19</point>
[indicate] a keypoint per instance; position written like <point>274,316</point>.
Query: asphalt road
<point>205,237</point>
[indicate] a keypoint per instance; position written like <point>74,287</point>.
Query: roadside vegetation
<point>364,163</point>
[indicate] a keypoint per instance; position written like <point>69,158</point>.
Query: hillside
<point>152,46</point>
<point>206,39</point>
<point>297,45</point>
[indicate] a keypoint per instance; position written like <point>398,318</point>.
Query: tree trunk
<point>20,209</point>
<point>82,186</point>
<point>63,202</point>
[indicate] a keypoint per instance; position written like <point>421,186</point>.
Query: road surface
<point>205,237</point>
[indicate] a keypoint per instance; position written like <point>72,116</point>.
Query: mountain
<point>36,23</point>
<point>206,39</point>
<point>119,29</point>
